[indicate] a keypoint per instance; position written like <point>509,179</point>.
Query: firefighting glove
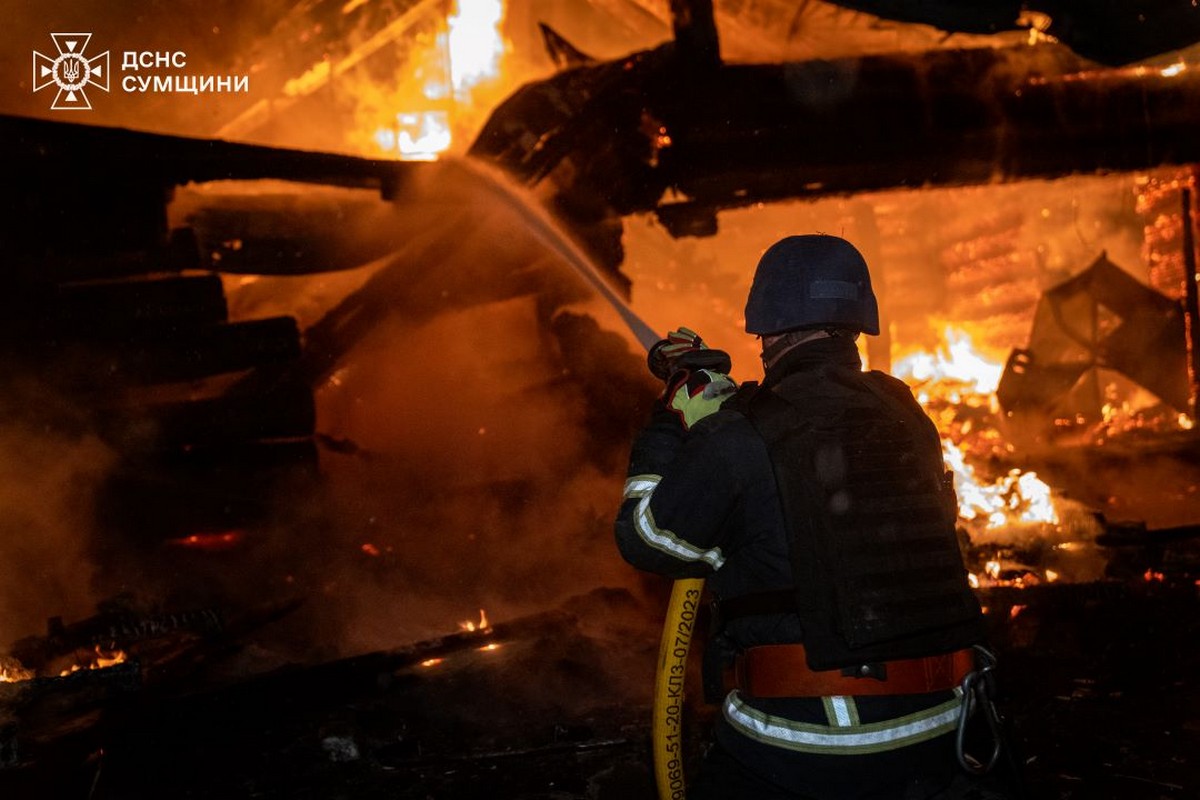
<point>684,349</point>
<point>694,394</point>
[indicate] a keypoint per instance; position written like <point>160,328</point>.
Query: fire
<point>11,671</point>
<point>416,120</point>
<point>957,362</point>
<point>416,136</point>
<point>474,43</point>
<point>1015,497</point>
<point>482,625</point>
<point>958,376</point>
<point>103,658</point>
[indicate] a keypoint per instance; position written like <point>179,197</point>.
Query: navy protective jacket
<point>704,503</point>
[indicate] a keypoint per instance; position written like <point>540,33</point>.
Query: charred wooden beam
<point>1108,32</point>
<point>126,178</point>
<point>106,357</point>
<point>1191,299</point>
<point>695,30</point>
<point>109,631</point>
<point>85,686</point>
<point>938,119</point>
<point>334,680</point>
<point>742,134</point>
<point>1138,535</point>
<point>38,148</point>
<point>269,410</point>
<point>124,304</point>
<point>205,489</point>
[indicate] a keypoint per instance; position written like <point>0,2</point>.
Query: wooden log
<point>164,353</point>
<point>209,489</point>
<point>280,410</point>
<point>127,304</point>
<point>109,631</point>
<point>70,693</point>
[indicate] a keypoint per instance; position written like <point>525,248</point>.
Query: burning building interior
<point>319,392</point>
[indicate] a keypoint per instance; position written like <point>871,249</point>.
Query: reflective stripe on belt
<point>855,738</point>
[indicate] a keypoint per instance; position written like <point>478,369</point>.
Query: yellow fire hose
<point>666,730</point>
<point>667,723</point>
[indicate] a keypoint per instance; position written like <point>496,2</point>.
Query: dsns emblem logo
<point>71,71</point>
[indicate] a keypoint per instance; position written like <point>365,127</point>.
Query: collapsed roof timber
<point>674,131</point>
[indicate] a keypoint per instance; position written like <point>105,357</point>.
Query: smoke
<point>49,477</point>
<point>476,401</point>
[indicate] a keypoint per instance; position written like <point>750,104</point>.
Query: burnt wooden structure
<point>114,324</point>
<point>655,132</point>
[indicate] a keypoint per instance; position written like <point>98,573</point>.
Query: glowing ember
<point>487,648</point>
<point>431,662</point>
<point>223,540</point>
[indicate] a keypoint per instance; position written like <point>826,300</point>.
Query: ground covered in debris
<point>1098,679</point>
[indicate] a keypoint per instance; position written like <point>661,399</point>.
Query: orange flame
<point>417,122</point>
<point>11,671</point>
<point>956,375</point>
<point>103,658</point>
<point>471,627</point>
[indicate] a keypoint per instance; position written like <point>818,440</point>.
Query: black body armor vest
<point>871,516</point>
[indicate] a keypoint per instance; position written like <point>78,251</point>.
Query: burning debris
<point>372,384</point>
<point>1104,349</point>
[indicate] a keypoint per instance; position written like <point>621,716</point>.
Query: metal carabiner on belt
<point>979,690</point>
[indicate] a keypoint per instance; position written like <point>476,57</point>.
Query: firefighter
<point>817,507</point>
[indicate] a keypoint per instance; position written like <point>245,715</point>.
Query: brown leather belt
<point>781,670</point>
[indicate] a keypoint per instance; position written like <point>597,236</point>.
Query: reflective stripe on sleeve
<point>844,739</point>
<point>641,487</point>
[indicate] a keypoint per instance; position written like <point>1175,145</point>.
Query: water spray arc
<point>679,623</point>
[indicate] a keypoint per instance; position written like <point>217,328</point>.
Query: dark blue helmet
<point>811,281</point>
